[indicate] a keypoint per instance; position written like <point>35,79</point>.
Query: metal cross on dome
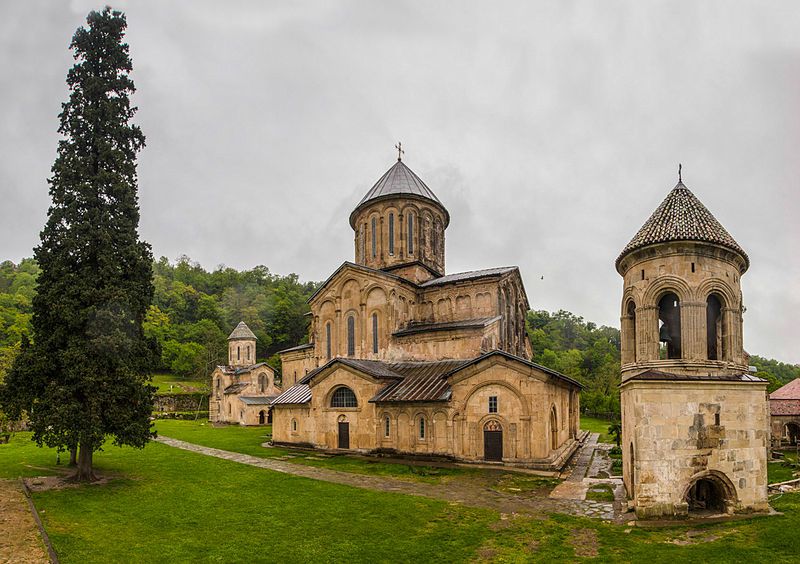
<point>400,151</point>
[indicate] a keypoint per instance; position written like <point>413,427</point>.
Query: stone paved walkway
<point>473,493</point>
<point>20,541</point>
<point>592,461</point>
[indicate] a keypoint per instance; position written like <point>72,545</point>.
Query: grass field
<point>248,440</point>
<point>168,383</point>
<point>782,472</point>
<point>168,505</point>
<point>597,426</point>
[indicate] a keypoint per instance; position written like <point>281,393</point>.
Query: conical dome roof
<point>241,332</point>
<point>399,180</point>
<point>682,217</point>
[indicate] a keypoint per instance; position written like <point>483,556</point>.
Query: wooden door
<point>493,445</point>
<point>344,434</point>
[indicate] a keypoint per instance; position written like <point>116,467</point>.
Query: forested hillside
<point>582,350</point>
<point>194,310</point>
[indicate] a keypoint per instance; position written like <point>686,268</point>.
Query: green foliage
<point>775,371</point>
<point>84,376</point>
<point>615,430</point>
<point>579,349</point>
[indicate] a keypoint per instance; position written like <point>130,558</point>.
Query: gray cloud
<point>550,131</point>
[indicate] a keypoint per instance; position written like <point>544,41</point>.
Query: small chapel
<point>243,389</point>
<point>405,358</point>
<point>695,420</point>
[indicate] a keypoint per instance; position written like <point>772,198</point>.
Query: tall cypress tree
<point>85,375</point>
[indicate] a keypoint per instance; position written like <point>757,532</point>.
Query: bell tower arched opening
<point>669,330</point>
<point>715,341</point>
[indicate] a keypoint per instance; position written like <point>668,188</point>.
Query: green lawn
<point>782,472</point>
<point>168,383</point>
<point>248,440</point>
<point>597,426</point>
<point>168,505</point>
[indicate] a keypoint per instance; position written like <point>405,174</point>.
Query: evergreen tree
<point>85,375</point>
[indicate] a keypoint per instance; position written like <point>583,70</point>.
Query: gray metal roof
<point>235,388</point>
<point>298,348</point>
<point>682,217</point>
<point>257,400</point>
<point>470,275</point>
<point>297,394</point>
<point>242,331</point>
<point>422,381</point>
<point>414,328</point>
<point>658,376</point>
<point>399,180</point>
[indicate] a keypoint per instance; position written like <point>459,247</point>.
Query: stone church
<point>695,422</point>
<point>405,358</point>
<point>243,389</point>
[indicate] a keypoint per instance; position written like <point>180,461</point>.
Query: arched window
<point>295,377</point>
<point>238,353</point>
<point>328,340</point>
<point>630,332</point>
<point>553,429</point>
<point>387,426</point>
<point>669,332</point>
<point>262,382</point>
<point>374,237</point>
<point>351,335</point>
<point>248,352</point>
<point>391,233</point>
<point>375,333</point>
<point>229,409</point>
<point>714,328</point>
<point>363,242</point>
<point>411,233</point>
<point>343,397</point>
<point>294,424</point>
<point>422,428</point>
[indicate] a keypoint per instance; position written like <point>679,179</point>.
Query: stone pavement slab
<point>20,541</point>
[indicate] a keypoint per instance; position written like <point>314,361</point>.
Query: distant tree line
<point>194,310</point>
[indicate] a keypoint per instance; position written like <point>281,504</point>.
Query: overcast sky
<point>550,131</point>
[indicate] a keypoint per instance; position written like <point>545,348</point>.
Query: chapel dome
<point>682,217</point>
<point>399,181</point>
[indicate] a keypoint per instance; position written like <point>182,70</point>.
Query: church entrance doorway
<point>261,417</point>
<point>344,434</point>
<point>493,441</point>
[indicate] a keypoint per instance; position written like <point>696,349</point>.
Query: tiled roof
<point>657,375</point>
<point>297,394</point>
<point>235,388</point>
<point>682,217</point>
<point>790,391</point>
<point>784,407</point>
<point>470,275</point>
<point>242,331</point>
<point>297,348</point>
<point>257,400</point>
<point>446,326</point>
<point>399,180</point>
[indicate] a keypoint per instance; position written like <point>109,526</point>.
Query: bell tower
<point>241,346</point>
<point>695,422</point>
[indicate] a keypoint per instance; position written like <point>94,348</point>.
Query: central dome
<point>399,180</point>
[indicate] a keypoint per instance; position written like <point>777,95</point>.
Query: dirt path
<point>470,492</point>
<point>19,536</point>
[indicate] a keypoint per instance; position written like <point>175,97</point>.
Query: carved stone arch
<point>524,408</point>
<point>716,286</point>
<point>665,284</point>
<point>631,294</point>
<point>726,488</point>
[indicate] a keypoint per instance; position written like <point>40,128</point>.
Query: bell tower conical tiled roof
<point>399,181</point>
<point>242,332</point>
<point>682,217</point>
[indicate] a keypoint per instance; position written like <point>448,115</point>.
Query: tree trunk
<point>85,472</point>
<point>73,456</point>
